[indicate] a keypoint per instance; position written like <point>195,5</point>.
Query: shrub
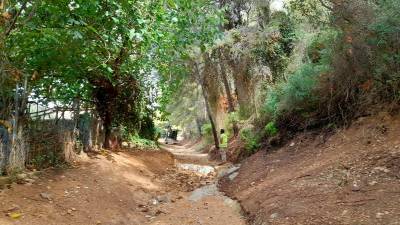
<point>385,49</point>
<point>142,143</point>
<point>49,159</point>
<point>270,129</point>
<point>297,93</point>
<point>231,119</point>
<point>206,131</point>
<point>250,138</point>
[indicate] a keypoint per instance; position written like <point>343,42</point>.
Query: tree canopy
<point>115,55</point>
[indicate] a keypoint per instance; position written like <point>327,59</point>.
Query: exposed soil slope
<point>351,177</point>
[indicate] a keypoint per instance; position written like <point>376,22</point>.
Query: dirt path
<point>205,205</point>
<point>123,188</point>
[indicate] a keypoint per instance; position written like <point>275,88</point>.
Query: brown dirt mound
<point>351,177</point>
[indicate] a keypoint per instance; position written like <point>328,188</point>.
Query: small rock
<point>46,196</point>
<point>163,199</point>
<point>233,176</point>
<point>73,209</point>
<point>383,169</point>
<point>372,183</point>
<point>154,202</point>
<point>22,176</point>
<point>379,215</point>
<point>355,187</point>
<point>69,211</point>
<point>274,215</point>
<point>292,144</point>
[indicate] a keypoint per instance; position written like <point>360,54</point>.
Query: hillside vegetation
<point>309,64</point>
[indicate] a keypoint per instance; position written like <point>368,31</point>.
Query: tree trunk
<point>105,95</point>
<point>243,85</point>
<point>198,124</point>
<point>214,130</point>
<point>107,123</point>
<point>201,83</point>
<point>231,106</point>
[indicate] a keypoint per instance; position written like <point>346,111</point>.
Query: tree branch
<point>325,5</point>
<point>12,25</point>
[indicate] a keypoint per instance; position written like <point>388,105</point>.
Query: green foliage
<point>271,129</point>
<point>314,12</point>
<point>147,129</point>
<point>142,143</point>
<point>206,131</point>
<point>286,26</point>
<point>272,53</point>
<point>250,138</point>
<point>385,49</point>
<point>320,50</point>
<point>297,93</point>
<point>275,50</point>
<point>48,159</point>
<point>232,118</point>
<point>116,56</point>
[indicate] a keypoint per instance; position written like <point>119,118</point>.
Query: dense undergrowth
<point>346,71</point>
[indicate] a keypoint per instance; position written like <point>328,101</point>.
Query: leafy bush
<point>231,119</point>
<point>271,129</point>
<point>49,159</point>
<point>206,131</point>
<point>142,143</point>
<point>271,52</point>
<point>385,49</point>
<point>148,129</point>
<point>297,93</point>
<point>250,138</point>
